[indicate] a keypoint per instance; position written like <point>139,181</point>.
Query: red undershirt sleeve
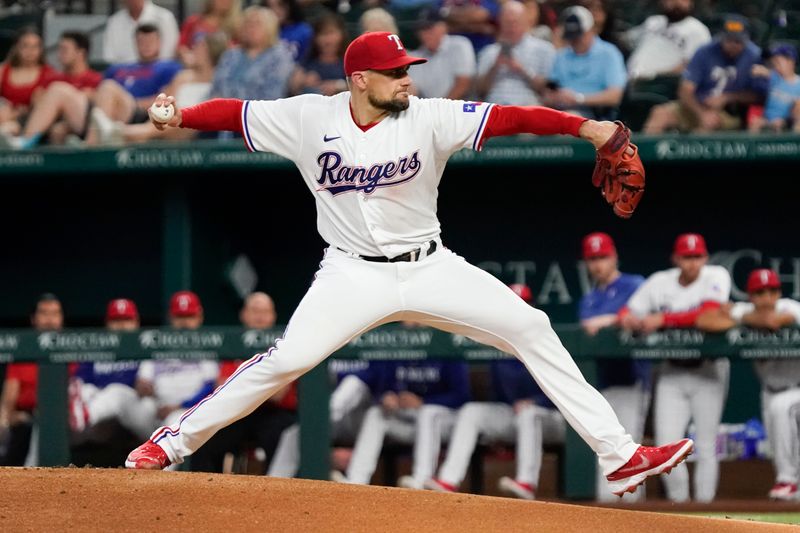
<point>219,114</point>
<point>686,319</point>
<point>511,120</point>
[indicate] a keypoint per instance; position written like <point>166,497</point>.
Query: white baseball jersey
<point>661,292</point>
<point>177,381</point>
<point>361,180</point>
<point>662,46</point>
<point>775,374</point>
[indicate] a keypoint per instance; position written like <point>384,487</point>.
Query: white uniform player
<point>372,158</point>
<point>693,390</point>
<point>348,404</point>
<point>780,378</point>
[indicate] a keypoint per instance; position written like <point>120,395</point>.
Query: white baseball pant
<point>531,428</point>
<point>781,412</point>
<point>350,296</point>
<point>692,394</point>
<point>631,404</point>
<point>348,405</point>
<point>426,427</point>
<point>120,401</point>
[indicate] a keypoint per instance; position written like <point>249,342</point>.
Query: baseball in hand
<point>162,113</point>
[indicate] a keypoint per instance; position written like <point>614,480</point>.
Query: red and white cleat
<point>648,461</point>
<point>518,489</point>
<point>148,456</point>
<point>784,491</point>
<point>440,486</point>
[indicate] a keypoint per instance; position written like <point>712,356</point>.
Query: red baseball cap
<point>763,278</point>
<point>377,50</point>
<point>598,244</point>
<point>185,303</point>
<point>690,244</point>
<point>523,291</point>
<point>121,309</point>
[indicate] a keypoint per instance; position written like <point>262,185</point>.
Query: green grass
<point>776,518</point>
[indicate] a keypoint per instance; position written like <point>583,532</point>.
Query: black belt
<point>413,255</point>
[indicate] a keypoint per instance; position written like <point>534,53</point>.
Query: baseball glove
<point>619,172</point>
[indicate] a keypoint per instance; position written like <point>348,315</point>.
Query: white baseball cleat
<point>648,461</point>
<point>784,492</point>
<point>409,482</point>
<point>338,477</point>
<point>518,489</point>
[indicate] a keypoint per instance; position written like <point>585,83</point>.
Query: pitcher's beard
<point>392,106</point>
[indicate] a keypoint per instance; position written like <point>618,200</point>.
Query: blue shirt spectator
<point>783,96</point>
<point>441,383</point>
<point>144,78</point>
<point>511,382</point>
<point>589,75</point>
<point>713,72</point>
<point>297,37</point>
<point>596,70</point>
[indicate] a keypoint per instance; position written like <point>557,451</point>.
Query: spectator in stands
<point>625,383</point>
<point>513,70</point>
<point>377,19</point>
<point>102,391</point>
<point>62,99</point>
<point>605,22</point>
<point>23,76</point>
<point>322,72</point>
<point>129,88</point>
<point>780,377</point>
<point>588,76</point>
<point>417,402</point>
<point>782,109</point>
<point>474,19</point>
<point>295,31</point>
<point>120,38</point>
<point>171,386</point>
<point>663,44</point>
<point>73,56</point>
<point>240,73</point>
<point>217,16</point>
<point>451,60</point>
<point>263,427</point>
<point>688,390</point>
<point>716,86</point>
<point>190,87</point>
<point>520,414</point>
<point>18,400</point>
<point>534,12</point>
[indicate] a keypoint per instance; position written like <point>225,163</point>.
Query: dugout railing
<point>55,350</point>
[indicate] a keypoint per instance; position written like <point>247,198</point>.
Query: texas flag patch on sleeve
<point>470,107</point>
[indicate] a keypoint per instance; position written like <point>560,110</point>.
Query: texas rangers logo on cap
<point>690,244</point>
<point>763,278</point>
<point>377,50</point>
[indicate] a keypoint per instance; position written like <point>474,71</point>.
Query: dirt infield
<point>82,499</point>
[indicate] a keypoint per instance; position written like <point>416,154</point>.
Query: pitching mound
<point>60,499</point>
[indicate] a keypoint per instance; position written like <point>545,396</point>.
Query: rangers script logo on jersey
<point>338,178</point>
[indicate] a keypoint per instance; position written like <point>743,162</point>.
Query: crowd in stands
<point>570,57</point>
<point>435,407</point>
